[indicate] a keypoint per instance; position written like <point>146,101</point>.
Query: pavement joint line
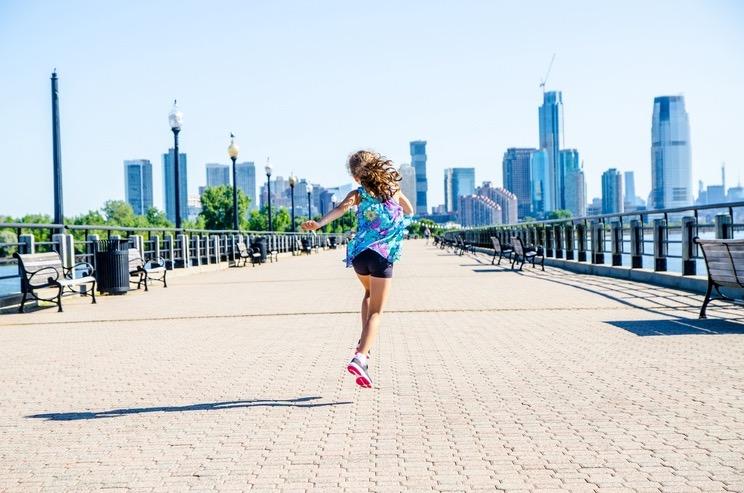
<point>341,312</point>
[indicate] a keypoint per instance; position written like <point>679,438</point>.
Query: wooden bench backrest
<point>29,263</point>
<point>496,244</point>
<point>241,248</point>
<point>517,245</point>
<point>135,259</point>
<point>725,261</point>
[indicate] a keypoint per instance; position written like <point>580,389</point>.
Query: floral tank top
<point>380,227</point>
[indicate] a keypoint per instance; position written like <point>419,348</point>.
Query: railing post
<point>216,249</point>
<point>548,231</point>
<point>91,248</point>
<point>581,240</point>
<point>183,240</point>
<point>62,246</point>
<point>617,243</point>
<point>27,245</point>
<point>636,244</point>
<point>170,246</point>
<point>155,240</point>
<point>598,242</point>
<point>689,247</point>
<point>558,240</point>
<point>568,233</point>
<point>724,231</point>
<point>204,238</point>
<point>660,245</point>
<point>137,241</point>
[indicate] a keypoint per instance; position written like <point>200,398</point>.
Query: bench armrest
<point>48,274</point>
<point>154,263</point>
<point>89,270</point>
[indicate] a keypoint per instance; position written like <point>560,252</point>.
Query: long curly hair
<point>376,173</point>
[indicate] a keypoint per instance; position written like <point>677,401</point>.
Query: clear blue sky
<point>309,82</point>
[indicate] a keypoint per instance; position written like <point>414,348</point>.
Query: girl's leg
<point>378,294</point>
<point>365,304</point>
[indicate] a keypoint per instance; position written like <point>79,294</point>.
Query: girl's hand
<point>310,225</point>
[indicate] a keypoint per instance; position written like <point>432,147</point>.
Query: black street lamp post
<point>268,189</point>
<point>56,154</point>
<point>309,201</point>
<point>292,183</point>
<point>232,151</point>
<point>176,119</point>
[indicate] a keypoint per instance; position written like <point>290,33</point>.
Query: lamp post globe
<point>232,151</point>
<point>268,169</point>
<point>175,119</point>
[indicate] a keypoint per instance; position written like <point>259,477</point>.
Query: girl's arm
<point>339,211</point>
<point>405,203</point>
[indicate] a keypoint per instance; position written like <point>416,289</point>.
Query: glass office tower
<point>418,161</point>
<point>138,183</point>
<point>671,163</point>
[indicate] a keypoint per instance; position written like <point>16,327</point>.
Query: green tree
<point>119,213</point>
<point>7,237</point>
<point>258,220</point>
<point>217,207</point>
<point>280,219</point>
<point>560,214</point>
<point>157,218</point>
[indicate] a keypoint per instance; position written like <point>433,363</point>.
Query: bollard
<point>660,245</point>
<point>581,241</point>
<point>636,244</point>
<point>617,243</point>
<point>548,231</point>
<point>569,240</point>
<point>558,240</point>
<point>598,243</point>
<point>724,231</point>
<point>689,247</point>
<point>26,244</point>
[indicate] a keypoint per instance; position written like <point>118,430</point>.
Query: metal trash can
<point>259,244</point>
<point>332,242</point>
<point>112,267</point>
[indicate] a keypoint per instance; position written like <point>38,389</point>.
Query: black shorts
<point>371,263</point>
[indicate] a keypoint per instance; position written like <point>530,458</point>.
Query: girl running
<point>383,213</point>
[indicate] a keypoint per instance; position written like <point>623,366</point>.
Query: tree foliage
<point>217,207</point>
<point>559,214</point>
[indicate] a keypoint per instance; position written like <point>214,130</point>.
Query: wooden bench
<point>146,271</point>
<point>245,254</point>
<point>524,254</point>
<point>724,260</point>
<point>500,250</point>
<point>45,271</point>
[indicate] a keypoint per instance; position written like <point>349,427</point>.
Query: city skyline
<point>309,117</point>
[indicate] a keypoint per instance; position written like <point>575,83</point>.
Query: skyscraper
<point>457,183</point>
<point>541,190</point>
<point>418,161</point>
<point>169,184</point>
<point>574,185</point>
<point>218,174</point>
<point>138,183</point>
<point>671,164</point>
<point>612,191</point>
<point>408,184</point>
<point>507,201</point>
<point>477,210</point>
<point>245,175</point>
<point>517,177</point>
<point>551,128</point>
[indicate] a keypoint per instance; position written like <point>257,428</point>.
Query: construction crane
<point>545,79</point>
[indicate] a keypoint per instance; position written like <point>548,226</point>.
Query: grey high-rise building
<point>418,161</point>
<point>551,129</point>
<point>245,174</point>
<point>138,183</point>
<point>517,177</point>
<point>408,183</point>
<point>671,163</point>
<point>169,183</point>
<point>612,191</point>
<point>218,174</point>
<point>574,182</point>
<point>458,182</point>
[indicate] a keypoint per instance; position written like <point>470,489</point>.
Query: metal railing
<point>661,240</point>
<point>179,248</point>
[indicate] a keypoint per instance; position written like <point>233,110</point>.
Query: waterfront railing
<point>659,240</point>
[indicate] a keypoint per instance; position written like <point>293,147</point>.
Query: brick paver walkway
<point>485,379</point>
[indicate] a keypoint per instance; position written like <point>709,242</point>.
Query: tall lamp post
<point>309,201</point>
<point>268,189</point>
<point>333,204</point>
<point>175,118</point>
<point>292,182</point>
<point>232,151</point>
<point>59,215</point>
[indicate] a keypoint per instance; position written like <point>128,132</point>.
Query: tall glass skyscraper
<point>218,174</point>
<point>418,161</point>
<point>408,184</point>
<point>551,129</point>
<point>517,177</point>
<point>574,183</point>
<point>169,184</point>
<point>138,182</point>
<point>245,174</point>
<point>612,191</point>
<point>671,163</point>
<point>458,182</point>
<point>541,191</point>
